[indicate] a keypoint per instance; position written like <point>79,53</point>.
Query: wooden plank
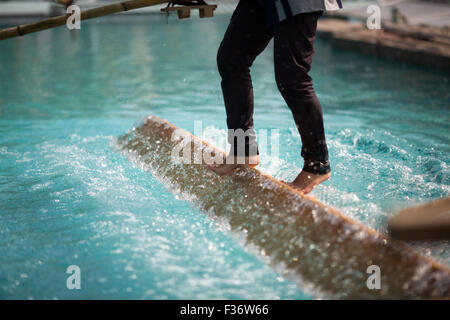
<point>309,241</point>
<point>429,221</point>
<point>205,11</point>
<point>184,13</point>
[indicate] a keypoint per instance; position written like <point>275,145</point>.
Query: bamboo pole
<point>64,2</point>
<point>86,14</point>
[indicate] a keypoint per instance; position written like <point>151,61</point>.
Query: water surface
<point>67,196</point>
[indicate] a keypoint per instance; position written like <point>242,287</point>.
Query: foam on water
<point>283,225</point>
<point>130,237</point>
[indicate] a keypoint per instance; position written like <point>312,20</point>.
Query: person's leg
<point>293,53</point>
<point>246,37</point>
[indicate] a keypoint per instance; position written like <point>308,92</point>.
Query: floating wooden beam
<point>430,221</point>
<point>205,11</point>
<point>86,14</point>
<point>310,241</point>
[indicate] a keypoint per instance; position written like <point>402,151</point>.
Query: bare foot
<point>306,181</point>
<point>230,165</point>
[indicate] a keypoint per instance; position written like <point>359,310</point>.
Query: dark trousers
<point>246,37</point>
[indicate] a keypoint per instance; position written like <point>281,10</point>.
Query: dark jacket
<point>279,10</point>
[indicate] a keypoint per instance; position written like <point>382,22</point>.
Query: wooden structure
<point>430,221</point>
<point>422,45</point>
<point>305,239</point>
<point>184,10</point>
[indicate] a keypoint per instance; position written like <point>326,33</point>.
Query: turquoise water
<point>68,197</point>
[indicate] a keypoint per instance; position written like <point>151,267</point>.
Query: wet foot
<point>306,181</point>
<point>230,165</point>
